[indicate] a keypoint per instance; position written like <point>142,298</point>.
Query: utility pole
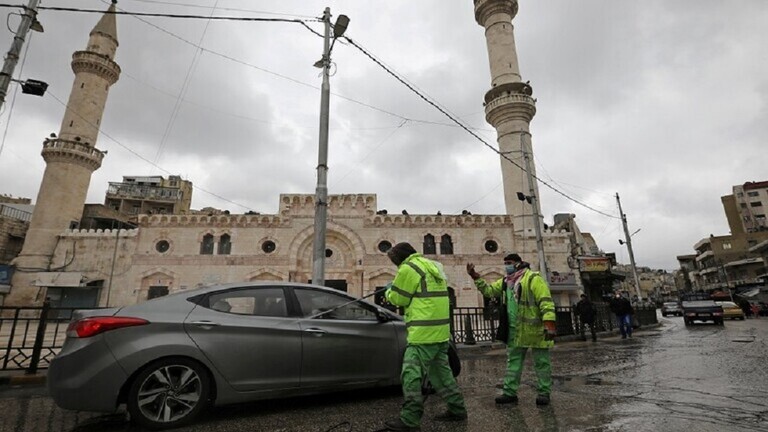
<point>27,18</point>
<point>535,208</point>
<point>628,240</point>
<point>321,192</point>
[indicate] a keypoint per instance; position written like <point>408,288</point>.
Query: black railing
<point>31,336</point>
<point>472,325</point>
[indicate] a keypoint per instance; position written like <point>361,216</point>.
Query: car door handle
<point>315,332</point>
<point>205,323</point>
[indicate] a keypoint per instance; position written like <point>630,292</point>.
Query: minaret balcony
<point>484,9</point>
<point>61,150</point>
<point>97,64</point>
<point>509,106</point>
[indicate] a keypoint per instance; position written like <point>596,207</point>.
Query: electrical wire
<point>124,73</point>
<point>184,89</point>
<point>376,147</point>
<point>139,15</point>
<point>221,8</point>
<point>468,130</point>
<point>15,92</point>
<point>138,155</point>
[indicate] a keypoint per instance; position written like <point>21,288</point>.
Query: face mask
<point>510,268</point>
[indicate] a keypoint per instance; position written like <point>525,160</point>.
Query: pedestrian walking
<point>527,320</point>
<point>421,287</point>
<point>586,313</point>
<point>623,310</point>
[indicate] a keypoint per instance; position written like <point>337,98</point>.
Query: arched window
<point>429,245</point>
<point>225,244</point>
<point>206,247</point>
<point>446,245</point>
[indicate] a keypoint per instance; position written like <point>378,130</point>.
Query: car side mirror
<point>382,317</point>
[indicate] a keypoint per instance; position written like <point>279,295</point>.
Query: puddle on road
<point>575,381</point>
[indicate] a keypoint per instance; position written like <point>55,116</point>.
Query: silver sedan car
<point>169,358</point>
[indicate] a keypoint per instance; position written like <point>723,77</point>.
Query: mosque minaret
<point>72,156</point>
<point>509,106</point>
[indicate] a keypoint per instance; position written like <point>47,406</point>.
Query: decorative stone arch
<point>339,238</point>
<point>306,236</point>
<point>156,277</point>
<point>266,274</point>
<point>205,232</point>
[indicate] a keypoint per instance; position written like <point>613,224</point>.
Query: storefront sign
<point>556,278</point>
<point>594,264</point>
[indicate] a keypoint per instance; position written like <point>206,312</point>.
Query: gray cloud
<point>663,102</point>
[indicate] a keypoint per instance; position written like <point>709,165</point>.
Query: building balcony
<point>143,192</point>
<point>701,243</point>
<point>704,255</point>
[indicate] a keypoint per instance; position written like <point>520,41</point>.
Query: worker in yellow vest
<point>530,314</point>
<point>421,287</point>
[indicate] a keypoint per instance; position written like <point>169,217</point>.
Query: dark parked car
<point>701,307</point>
<point>671,308</point>
<point>171,357</point>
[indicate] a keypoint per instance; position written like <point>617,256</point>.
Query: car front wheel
<point>169,393</point>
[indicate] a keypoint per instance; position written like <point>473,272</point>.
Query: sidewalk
<point>19,377</point>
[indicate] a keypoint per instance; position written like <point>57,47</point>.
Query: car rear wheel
<point>687,321</point>
<point>169,393</point>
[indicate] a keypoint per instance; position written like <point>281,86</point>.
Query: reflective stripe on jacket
<point>421,288</point>
<point>533,308</point>
<point>497,289</point>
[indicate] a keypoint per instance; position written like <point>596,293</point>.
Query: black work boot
<point>450,417</point>
<point>398,425</point>
<point>542,400</point>
<point>504,399</point>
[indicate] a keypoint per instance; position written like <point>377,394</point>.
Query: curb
<point>22,380</point>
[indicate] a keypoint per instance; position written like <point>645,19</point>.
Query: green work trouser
<point>431,361</point>
<point>541,364</point>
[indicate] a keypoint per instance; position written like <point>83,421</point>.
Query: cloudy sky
<point>663,102</point>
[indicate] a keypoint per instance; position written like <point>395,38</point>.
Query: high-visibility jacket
<point>508,303</point>
<point>420,287</point>
<point>534,306</point>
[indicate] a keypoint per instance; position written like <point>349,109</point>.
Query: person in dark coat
<point>623,310</point>
<point>586,312</point>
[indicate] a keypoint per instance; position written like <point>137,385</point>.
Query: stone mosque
<point>181,250</point>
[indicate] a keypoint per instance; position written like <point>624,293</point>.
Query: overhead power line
<point>157,2</point>
<point>468,130</point>
<point>138,155</point>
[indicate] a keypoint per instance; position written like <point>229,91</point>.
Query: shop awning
<point>59,279</point>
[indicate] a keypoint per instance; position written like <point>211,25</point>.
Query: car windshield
<point>728,304</point>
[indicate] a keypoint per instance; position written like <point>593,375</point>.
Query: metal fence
<point>472,325</point>
<point>31,336</point>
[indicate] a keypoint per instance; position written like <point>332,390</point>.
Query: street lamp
<point>28,22</point>
<point>321,193</point>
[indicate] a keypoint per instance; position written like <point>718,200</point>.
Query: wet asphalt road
<point>671,378</point>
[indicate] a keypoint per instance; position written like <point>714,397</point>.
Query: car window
<point>255,301</point>
<point>313,302</point>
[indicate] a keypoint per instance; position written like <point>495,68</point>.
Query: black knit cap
<point>399,252</point>
<point>513,257</point>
